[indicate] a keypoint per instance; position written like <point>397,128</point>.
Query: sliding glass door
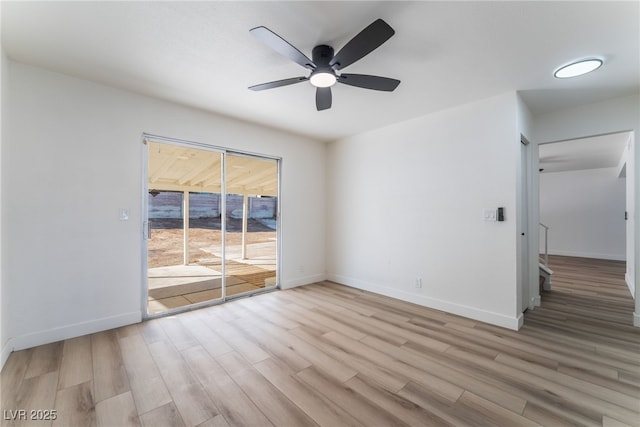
<point>211,225</point>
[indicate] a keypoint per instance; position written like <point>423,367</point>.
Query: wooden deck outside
<point>330,355</point>
<point>177,286</point>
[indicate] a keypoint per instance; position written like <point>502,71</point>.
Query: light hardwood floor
<point>334,356</point>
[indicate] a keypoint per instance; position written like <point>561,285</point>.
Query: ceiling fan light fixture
<point>323,78</point>
<point>325,65</point>
<point>578,68</point>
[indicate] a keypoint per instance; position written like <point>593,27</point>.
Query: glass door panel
<point>184,244</point>
<point>251,238</point>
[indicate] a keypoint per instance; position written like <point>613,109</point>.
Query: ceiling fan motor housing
<point>322,55</point>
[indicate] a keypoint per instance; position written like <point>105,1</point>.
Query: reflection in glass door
<point>211,229</point>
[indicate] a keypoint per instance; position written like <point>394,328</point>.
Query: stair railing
<point>546,247</point>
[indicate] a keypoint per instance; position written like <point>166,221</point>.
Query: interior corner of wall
<point>6,350</point>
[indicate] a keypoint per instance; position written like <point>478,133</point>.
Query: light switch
<point>124,214</point>
<point>489,214</point>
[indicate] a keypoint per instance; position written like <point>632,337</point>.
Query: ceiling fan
<point>325,64</point>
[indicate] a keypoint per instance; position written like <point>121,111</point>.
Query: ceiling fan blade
<point>281,46</point>
<point>369,82</point>
<point>363,43</point>
<point>278,83</point>
<point>323,98</point>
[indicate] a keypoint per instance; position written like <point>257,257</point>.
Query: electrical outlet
<point>419,282</point>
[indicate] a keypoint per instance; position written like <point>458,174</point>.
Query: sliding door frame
<point>146,138</point>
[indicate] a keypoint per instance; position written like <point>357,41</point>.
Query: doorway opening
<point>584,200</point>
<point>211,228</point>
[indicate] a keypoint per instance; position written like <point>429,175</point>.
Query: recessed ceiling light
<point>578,68</point>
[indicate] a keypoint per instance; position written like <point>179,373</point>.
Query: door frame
<point>528,287</point>
<point>147,137</point>
<point>523,229</point>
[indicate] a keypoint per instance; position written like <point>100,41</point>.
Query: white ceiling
<point>445,53</point>
<point>603,151</point>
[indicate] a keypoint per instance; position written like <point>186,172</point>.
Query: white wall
<point>4,348</point>
<point>614,115</point>
<point>585,212</point>
<point>73,157</point>
<point>416,192</point>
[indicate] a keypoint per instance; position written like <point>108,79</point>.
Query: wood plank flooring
<point>329,355</point>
